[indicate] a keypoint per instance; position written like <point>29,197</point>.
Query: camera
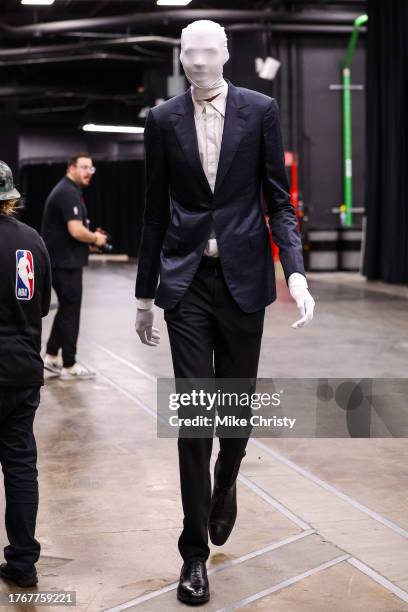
<point>107,248</point>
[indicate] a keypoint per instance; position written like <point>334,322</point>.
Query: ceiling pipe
<point>127,40</point>
<point>171,42</point>
<point>41,92</point>
<point>176,17</point>
<point>293,29</point>
<point>77,58</point>
<point>52,109</point>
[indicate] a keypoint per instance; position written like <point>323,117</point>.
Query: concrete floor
<point>322,523</point>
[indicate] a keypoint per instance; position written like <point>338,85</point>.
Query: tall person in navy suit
<point>212,154</point>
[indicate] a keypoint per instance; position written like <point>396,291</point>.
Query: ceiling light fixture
<point>113,129</point>
<point>173,2</point>
<point>37,2</point>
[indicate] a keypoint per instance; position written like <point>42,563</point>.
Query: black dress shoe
<point>193,588</point>
<point>223,513</point>
<point>21,580</point>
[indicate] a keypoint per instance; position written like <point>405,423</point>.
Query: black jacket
<point>25,292</point>
<point>181,208</point>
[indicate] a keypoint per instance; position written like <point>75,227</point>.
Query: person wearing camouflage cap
<point>25,292</point>
<point>7,190</point>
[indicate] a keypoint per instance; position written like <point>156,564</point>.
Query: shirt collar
<point>71,182</point>
<point>219,103</point>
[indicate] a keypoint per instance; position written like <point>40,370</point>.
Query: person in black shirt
<point>25,291</point>
<point>64,229</point>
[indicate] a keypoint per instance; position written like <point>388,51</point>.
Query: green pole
<point>347,143</point>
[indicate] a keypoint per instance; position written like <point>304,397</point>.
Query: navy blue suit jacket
<point>181,208</point>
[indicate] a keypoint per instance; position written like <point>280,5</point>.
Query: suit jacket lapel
<point>184,126</point>
<point>234,129</point>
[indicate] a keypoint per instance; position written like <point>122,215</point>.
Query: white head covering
<point>204,51</point>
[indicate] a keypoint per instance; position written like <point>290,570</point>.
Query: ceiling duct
<point>177,17</point>
<point>60,59</point>
<point>289,28</point>
<point>74,47</point>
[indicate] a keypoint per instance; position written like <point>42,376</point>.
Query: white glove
<point>144,327</point>
<point>298,290</point>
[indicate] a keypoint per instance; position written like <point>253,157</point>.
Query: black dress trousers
<point>67,283</point>
<point>210,336</point>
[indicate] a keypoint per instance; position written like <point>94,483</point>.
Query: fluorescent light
<point>173,2</point>
<point>37,2</point>
<point>113,129</point>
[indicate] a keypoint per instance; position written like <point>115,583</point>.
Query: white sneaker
<point>52,364</point>
<point>77,372</point>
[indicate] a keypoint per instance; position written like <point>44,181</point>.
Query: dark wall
<point>114,199</point>
<point>386,253</point>
<point>311,113</point>
<point>9,138</point>
<point>37,146</point>
<point>321,128</point>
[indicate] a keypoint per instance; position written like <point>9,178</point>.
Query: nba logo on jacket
<point>24,275</point>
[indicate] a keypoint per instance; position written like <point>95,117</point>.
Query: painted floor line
<point>129,395</point>
<point>387,584</point>
<point>332,489</point>
<point>219,568</point>
<point>126,362</point>
<point>322,483</point>
<point>273,502</point>
<point>269,499</point>
<point>261,551</point>
<point>252,486</point>
<point>285,583</point>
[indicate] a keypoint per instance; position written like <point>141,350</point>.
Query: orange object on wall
<point>291,162</point>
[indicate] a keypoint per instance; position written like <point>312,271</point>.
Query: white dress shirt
<point>209,122</point>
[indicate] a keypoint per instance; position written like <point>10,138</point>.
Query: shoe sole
<point>192,602</point>
<point>90,377</point>
<point>52,369</point>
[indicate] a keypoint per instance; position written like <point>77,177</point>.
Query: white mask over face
<point>204,52</point>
